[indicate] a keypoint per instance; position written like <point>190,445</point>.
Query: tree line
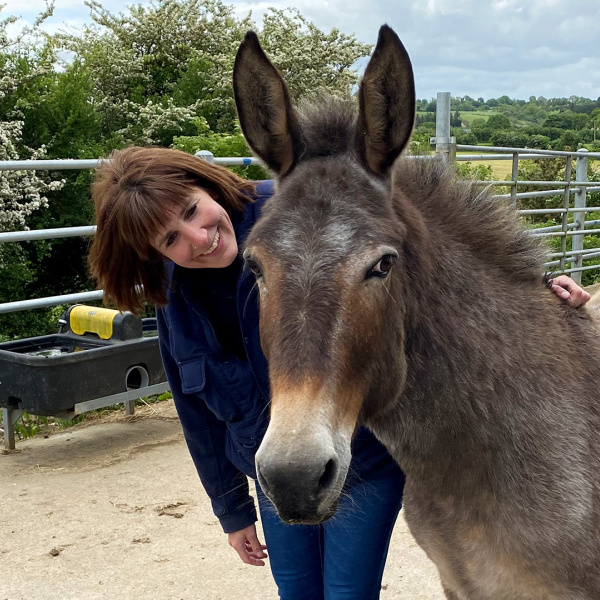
<point>546,124</point>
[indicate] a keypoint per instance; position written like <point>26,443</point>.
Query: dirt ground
<point>113,509</point>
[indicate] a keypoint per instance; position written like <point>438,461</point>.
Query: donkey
<point>396,296</point>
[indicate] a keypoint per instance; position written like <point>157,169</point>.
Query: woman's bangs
<point>146,218</point>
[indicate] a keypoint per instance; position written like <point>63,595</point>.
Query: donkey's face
<point>327,254</point>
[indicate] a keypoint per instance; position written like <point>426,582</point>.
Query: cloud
<point>477,47</point>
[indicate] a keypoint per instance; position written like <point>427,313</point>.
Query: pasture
<point>501,169</point>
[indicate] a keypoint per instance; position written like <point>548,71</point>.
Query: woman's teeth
<point>214,245</point>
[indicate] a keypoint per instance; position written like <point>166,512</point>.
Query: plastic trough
<point>49,375</point>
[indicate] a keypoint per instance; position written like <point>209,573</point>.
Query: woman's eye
<point>171,240</point>
<point>190,212</point>
<point>382,268</point>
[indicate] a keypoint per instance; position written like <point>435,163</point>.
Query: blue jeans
<point>343,558</point>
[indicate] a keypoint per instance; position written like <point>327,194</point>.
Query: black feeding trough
<point>102,353</point>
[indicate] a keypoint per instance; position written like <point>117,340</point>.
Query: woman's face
<point>200,236</point>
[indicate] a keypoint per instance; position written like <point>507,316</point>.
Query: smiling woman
<point>154,203</point>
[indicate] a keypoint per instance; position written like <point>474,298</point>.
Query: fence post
<point>206,155</point>
<point>445,146</point>
<point>565,215</point>
<point>580,200</point>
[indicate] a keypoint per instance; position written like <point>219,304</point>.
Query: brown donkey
<point>395,296</point>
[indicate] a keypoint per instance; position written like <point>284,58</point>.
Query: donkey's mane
<point>468,214</point>
<point>462,210</point>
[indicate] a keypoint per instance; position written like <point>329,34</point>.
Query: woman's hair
<point>134,193</point>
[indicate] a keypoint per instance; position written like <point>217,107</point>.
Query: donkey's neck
<point>486,355</point>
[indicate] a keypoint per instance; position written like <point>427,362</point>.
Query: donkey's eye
<point>254,267</point>
<point>382,268</point>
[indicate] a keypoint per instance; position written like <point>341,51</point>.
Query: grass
<point>501,168</point>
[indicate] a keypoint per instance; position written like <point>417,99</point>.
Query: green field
<point>501,168</point>
<point>467,115</point>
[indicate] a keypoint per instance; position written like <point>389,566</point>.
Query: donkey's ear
<point>267,117</point>
<point>387,104</point>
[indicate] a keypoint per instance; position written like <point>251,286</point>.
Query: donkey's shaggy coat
<point>396,296</point>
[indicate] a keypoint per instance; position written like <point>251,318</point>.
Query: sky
<point>479,48</point>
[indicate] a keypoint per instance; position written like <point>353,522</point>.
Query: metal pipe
<point>544,211</point>
<point>45,234</point>
<point>562,233</point>
<point>445,146</point>
<point>579,201</point>
<point>565,216</point>
<point>48,165</point>
<point>545,194</point>
<point>527,151</point>
<point>486,157</point>
<point>19,305</point>
<point>572,252</point>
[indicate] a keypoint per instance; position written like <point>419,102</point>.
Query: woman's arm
<point>226,486</point>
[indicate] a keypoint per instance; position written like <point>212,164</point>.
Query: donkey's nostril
<point>328,476</point>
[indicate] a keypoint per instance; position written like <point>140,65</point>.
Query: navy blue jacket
<point>222,399</point>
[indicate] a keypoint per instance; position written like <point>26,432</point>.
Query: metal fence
<point>64,232</point>
<point>574,190</point>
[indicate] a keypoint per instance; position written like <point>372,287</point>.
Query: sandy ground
<point>114,510</point>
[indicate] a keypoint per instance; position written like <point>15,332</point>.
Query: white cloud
<point>477,47</point>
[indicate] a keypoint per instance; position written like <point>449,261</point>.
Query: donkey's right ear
<point>264,105</point>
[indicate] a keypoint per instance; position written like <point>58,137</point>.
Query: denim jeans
<point>343,558</point>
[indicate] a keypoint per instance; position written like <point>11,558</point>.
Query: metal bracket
<point>128,398</point>
<point>11,415</point>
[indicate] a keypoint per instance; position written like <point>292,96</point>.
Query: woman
<point>172,225</point>
<point>170,229</point>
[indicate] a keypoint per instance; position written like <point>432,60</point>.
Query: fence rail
<point>573,189</point>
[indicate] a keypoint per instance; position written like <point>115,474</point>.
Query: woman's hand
<point>566,289</point>
<point>245,543</point>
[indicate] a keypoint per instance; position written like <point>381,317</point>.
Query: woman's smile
<point>213,246</point>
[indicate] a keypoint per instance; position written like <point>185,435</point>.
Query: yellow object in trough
<point>106,323</point>
<point>90,319</point>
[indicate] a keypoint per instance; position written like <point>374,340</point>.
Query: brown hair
<point>133,193</point>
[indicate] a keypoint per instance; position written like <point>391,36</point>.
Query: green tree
<point>455,121</point>
<point>498,121</point>
<point>157,66</point>
<point>560,120</point>
<point>26,65</point>
<point>310,60</point>
<point>581,121</point>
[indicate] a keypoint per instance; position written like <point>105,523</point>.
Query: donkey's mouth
<point>293,518</point>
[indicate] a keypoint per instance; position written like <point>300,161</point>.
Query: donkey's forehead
<point>298,233</point>
<point>312,213</point>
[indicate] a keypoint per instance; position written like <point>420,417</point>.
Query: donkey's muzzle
<point>303,491</point>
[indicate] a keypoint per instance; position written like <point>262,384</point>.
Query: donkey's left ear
<point>387,104</point>
<point>267,117</point>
